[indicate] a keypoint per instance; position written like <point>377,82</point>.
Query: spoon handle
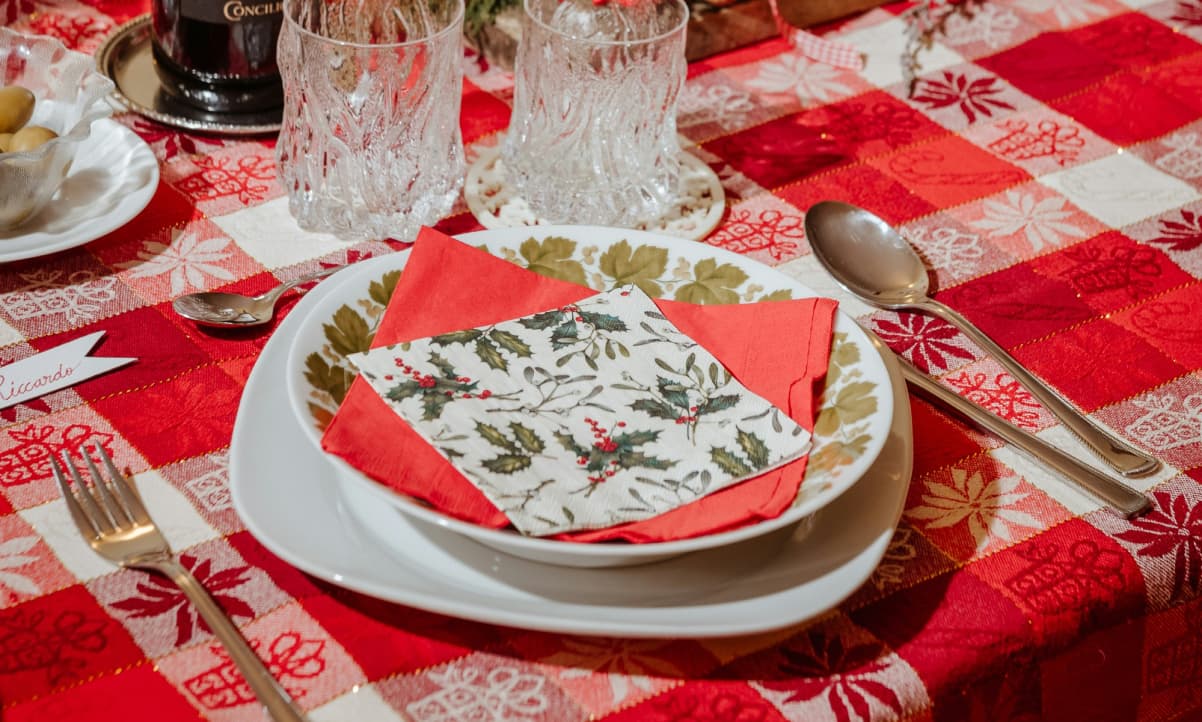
<point>1117,495</point>
<point>274,294</point>
<point>1124,458</point>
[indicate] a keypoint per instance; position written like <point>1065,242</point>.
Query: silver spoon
<point>226,310</point>
<point>872,261</point>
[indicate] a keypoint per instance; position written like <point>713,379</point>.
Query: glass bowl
<point>70,94</point>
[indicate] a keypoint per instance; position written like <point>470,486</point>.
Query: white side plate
<point>113,177</point>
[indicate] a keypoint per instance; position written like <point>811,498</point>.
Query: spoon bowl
<point>234,310</point>
<point>870,259</point>
<point>873,262</point>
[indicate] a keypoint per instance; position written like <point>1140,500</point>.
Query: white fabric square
<point>268,233</point>
<point>1121,189</point>
<point>361,703</point>
<point>884,45</point>
<point>170,509</point>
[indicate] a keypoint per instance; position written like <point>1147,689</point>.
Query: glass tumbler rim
<point>678,27</point>
<point>453,25</point>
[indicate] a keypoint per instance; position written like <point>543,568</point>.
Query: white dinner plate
<point>113,177</point>
<point>854,416</point>
<point>291,501</point>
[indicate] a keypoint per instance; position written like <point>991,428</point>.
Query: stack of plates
<point>324,517</point>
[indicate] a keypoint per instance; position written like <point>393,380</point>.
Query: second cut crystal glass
<point>370,145</point>
<point>592,138</point>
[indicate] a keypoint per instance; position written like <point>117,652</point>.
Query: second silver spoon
<point>872,261</point>
<point>214,308</point>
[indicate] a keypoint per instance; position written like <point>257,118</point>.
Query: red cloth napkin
<point>779,349</point>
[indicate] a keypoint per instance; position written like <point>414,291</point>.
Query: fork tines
<point>96,508</point>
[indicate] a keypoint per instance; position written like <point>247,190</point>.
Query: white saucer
<point>113,177</point>
<point>287,494</point>
<point>496,204</point>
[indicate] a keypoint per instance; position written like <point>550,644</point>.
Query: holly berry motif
<point>436,391</point>
<point>612,449</point>
<point>583,332</point>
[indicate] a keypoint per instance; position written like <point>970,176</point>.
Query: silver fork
<point>113,521</point>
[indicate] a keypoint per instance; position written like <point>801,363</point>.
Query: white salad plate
<point>858,401</point>
<point>295,505</point>
<point>113,177</point>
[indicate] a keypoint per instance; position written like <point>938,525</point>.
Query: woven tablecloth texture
<point>1048,166</point>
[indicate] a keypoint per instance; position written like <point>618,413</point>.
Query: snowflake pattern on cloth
<point>585,416</point>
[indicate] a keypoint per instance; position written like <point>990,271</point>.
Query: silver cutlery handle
<point>269,692</point>
<point>1121,456</point>
<point>274,294</point>
<point>1114,493</point>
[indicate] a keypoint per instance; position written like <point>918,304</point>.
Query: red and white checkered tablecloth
<point>1048,165</point>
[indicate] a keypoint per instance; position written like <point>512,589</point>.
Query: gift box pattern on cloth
<point>583,416</point>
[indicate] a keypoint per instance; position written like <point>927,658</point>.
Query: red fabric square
<point>870,124</point>
<point>862,185</point>
<point>111,699</point>
<point>941,440</point>
<point>1108,109</point>
<point>1179,79</point>
<point>481,114</point>
<point>1172,663</point>
<point>950,171</point>
<point>1101,677</point>
<point>1111,271</point>
<point>1012,695</point>
<point>1016,305</point>
<point>58,641</point>
<point>168,208</point>
<point>459,223</point>
<point>162,350</point>
<point>948,626</point>
<point>783,150</point>
<point>1070,580</point>
<point>1050,66</point>
<point>1098,363</point>
<point>1134,40</point>
<point>711,701</point>
<point>190,414</point>
<point>382,638</point>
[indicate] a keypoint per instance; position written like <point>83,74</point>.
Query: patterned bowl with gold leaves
<point>853,423</point>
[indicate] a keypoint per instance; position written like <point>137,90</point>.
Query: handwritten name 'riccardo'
<point>10,390</point>
<point>235,10</point>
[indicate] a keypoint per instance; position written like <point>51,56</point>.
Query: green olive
<point>30,137</point>
<point>5,140</point>
<point>16,107</point>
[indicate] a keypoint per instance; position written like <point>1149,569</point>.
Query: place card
<point>54,369</point>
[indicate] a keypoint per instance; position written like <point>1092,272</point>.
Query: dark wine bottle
<point>219,55</point>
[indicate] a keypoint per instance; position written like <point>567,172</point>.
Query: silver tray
<point>126,58</point>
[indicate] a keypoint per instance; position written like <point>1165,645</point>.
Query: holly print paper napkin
<point>584,416</point>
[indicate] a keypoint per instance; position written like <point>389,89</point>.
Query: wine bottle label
<point>230,11</point>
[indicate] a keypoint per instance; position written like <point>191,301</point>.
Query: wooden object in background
<point>715,26</point>
<point>806,13</point>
